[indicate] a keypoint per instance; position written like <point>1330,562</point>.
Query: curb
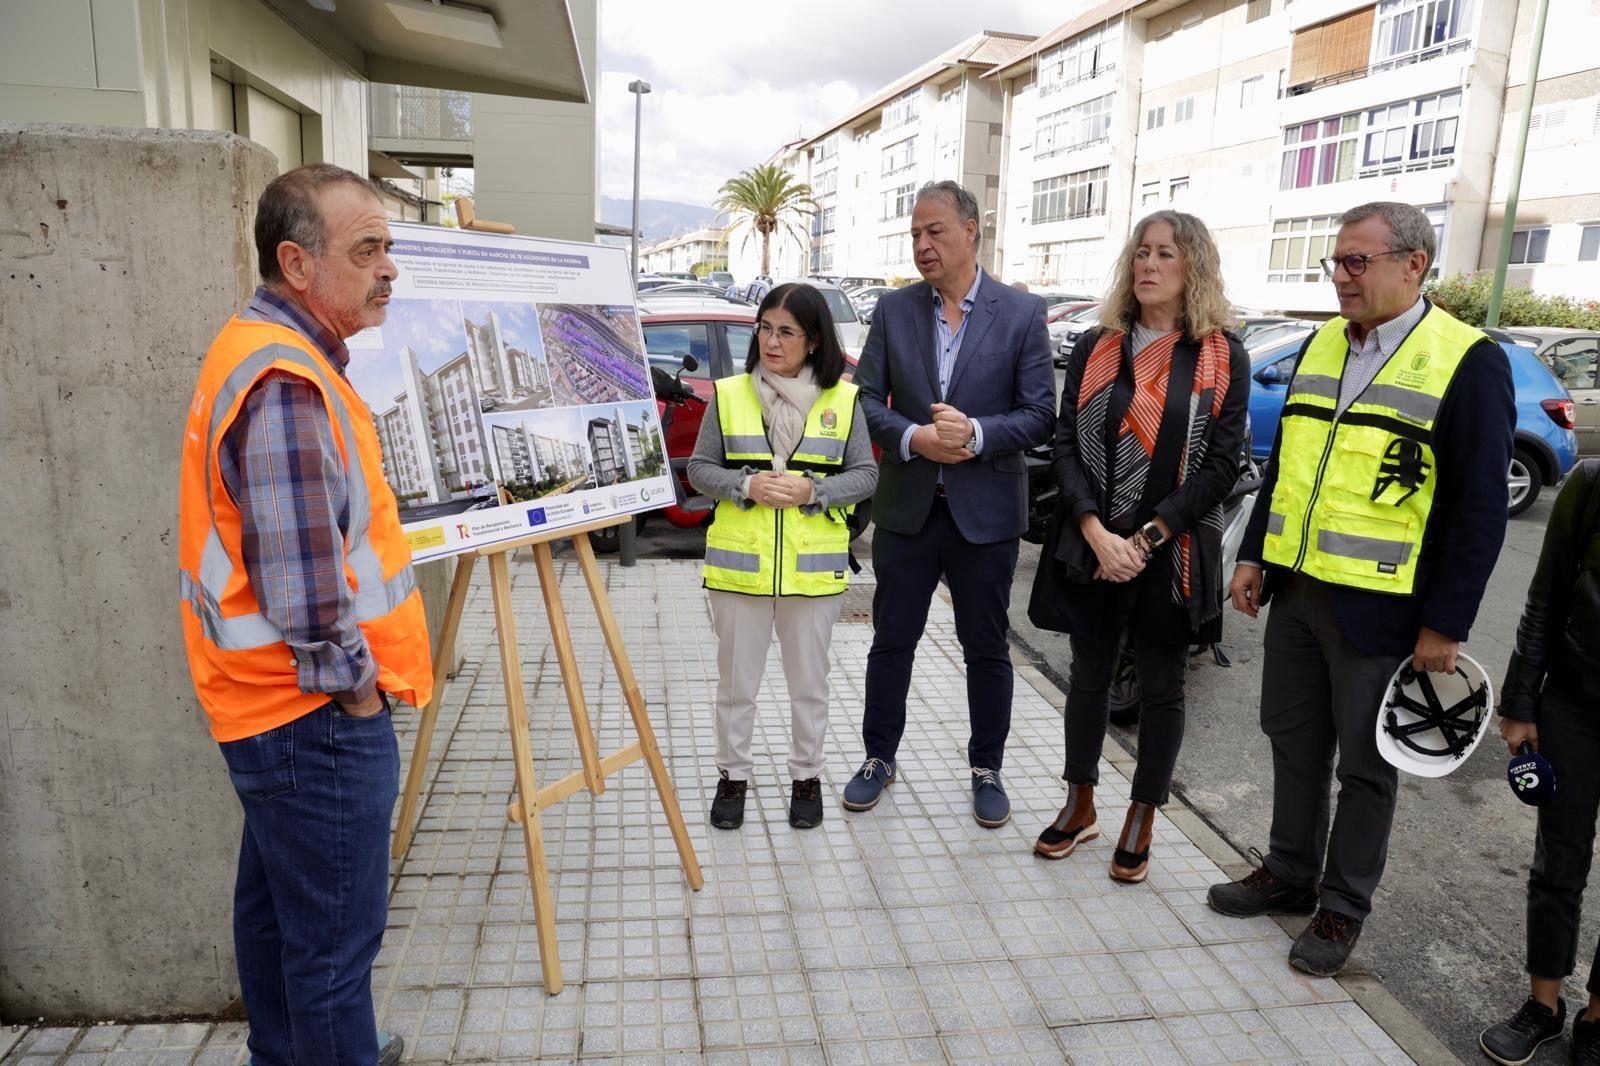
<point>1404,1028</point>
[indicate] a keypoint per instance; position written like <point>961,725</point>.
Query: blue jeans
<point>311,899</point>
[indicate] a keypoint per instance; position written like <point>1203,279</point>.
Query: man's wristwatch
<point>972,443</point>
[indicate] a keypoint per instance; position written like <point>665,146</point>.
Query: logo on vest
<point>830,419</point>
<point>1402,465</point>
<point>1419,360</point>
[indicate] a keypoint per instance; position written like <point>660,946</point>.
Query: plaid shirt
<point>280,463</point>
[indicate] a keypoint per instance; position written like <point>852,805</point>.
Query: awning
<point>524,48</point>
<point>381,166</point>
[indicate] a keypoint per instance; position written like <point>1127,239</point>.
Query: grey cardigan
<point>709,474</point>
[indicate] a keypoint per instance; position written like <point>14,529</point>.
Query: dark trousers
<point>311,899</point>
<point>1320,694</point>
<point>1569,737</point>
<point>1159,666</point>
<point>908,569</point>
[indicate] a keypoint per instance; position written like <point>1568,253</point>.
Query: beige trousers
<point>744,626</point>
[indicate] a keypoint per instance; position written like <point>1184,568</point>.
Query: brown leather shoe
<point>1131,861</point>
<point>1074,825</point>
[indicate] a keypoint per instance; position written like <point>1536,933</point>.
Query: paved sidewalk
<point>906,934</point>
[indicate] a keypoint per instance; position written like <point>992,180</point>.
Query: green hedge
<point>1466,296</point>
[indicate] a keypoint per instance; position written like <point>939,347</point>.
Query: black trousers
<point>908,569</point>
<point>1569,737</point>
<point>1159,665</point>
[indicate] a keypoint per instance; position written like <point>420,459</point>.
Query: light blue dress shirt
<point>948,343</point>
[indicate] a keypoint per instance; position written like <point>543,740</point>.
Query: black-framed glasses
<point>1355,264</point>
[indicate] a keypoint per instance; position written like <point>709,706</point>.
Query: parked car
<point>1545,446</point>
<point>1073,325</point>
<point>720,278</point>
<point>1251,324</point>
<point>1056,322</point>
<point>1572,355</point>
<point>859,281</point>
<point>685,288</point>
<point>646,282</point>
<point>866,299</point>
<point>852,334</point>
<point>1052,300</point>
<point>677,275</point>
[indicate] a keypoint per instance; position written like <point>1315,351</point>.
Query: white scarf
<point>785,404</point>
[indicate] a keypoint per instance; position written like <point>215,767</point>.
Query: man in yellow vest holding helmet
<point>1380,520</point>
<point>301,617</point>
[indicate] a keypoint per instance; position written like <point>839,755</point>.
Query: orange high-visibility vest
<point>244,673</point>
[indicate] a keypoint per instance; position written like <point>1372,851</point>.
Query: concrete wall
<point>121,253</point>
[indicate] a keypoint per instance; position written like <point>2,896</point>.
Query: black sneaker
<point>727,810</point>
<point>1585,1041</point>
<point>805,804</point>
<point>1514,1040</point>
<point>1324,946</point>
<point>1261,892</point>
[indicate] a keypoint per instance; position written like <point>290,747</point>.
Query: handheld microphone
<point>1532,780</point>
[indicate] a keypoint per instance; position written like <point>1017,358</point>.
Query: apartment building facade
<point>941,121</point>
<point>523,455</point>
<point>608,444</point>
<point>434,446</point>
<point>686,252</point>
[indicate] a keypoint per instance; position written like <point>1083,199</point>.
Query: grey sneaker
<point>866,788</point>
<point>391,1048</point>
<point>991,807</point>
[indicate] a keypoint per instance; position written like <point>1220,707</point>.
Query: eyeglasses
<point>1356,265</point>
<point>783,333</point>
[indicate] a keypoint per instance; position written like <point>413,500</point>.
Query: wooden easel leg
<point>636,707</point>
<point>593,776</point>
<point>527,791</point>
<point>407,826</point>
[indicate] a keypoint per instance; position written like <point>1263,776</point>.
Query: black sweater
<point>1472,440</point>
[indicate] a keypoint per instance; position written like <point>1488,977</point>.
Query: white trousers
<point>744,626</point>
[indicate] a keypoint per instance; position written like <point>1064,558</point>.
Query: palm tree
<point>763,199</point>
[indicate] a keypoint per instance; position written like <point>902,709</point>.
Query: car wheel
<point>1523,480</point>
<point>609,540</point>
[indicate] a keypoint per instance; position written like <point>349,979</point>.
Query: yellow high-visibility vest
<point>760,551</point>
<point>1354,490</point>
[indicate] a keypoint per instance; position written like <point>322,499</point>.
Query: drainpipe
<point>1535,46</point>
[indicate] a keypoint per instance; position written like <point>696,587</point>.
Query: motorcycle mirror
<point>1532,779</point>
<point>691,364</point>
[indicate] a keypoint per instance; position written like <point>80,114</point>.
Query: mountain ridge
<point>658,219</point>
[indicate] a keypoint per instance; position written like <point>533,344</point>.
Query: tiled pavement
<point>906,934</point>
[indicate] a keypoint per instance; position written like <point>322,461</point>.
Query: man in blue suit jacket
<point>956,382</point>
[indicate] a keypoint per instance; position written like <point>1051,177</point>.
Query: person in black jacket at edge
<point>1549,700</point>
<point>1380,520</point>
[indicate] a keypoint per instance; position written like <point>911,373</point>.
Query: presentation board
<point>509,367</point>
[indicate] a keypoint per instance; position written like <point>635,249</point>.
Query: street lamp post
<point>627,541</point>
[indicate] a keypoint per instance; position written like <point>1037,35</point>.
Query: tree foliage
<point>763,200</point>
<point>1466,296</point>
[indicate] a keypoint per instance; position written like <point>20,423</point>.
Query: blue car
<point>1546,446</point>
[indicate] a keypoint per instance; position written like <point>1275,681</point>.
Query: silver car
<point>1572,355</point>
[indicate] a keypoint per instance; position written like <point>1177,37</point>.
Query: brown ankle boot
<point>1131,861</point>
<point>1074,825</point>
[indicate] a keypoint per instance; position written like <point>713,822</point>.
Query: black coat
<point>1179,505</point>
<point>1559,636</point>
<point>1472,447</point>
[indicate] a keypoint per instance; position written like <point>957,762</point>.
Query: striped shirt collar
<point>1386,338</point>
<point>968,300</point>
<point>268,306</point>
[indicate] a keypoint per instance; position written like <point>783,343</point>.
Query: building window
<point>1250,91</point>
<point>897,202</point>
<point>1073,127</point>
<point>901,109</point>
<point>1077,195</point>
<point>825,149</point>
<point>1085,56</point>
<point>1155,118</point>
<point>826,184</point>
<point>1075,264</point>
<point>1150,194</point>
<point>1298,245</point>
<point>1320,152</point>
<point>1589,243</point>
<point>1176,188</point>
<point>1183,110</point>
<point>1256,10</point>
<point>902,155</point>
<point>1404,27</point>
<point>1547,127</point>
<point>1529,245</point>
<point>1411,135</point>
<point>894,250</point>
<point>825,219</point>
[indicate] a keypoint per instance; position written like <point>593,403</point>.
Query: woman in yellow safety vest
<point>785,452</point>
<point>1148,444</point>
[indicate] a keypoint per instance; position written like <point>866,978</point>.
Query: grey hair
<point>288,211</point>
<point>964,202</point>
<point>1409,226</point>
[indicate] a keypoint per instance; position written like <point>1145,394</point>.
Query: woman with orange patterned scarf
<point>1148,442</point>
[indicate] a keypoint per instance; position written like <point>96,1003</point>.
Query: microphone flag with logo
<point>1530,775</point>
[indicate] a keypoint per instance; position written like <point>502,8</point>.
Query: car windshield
<point>839,305</point>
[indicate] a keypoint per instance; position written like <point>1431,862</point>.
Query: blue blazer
<point>1003,378</point>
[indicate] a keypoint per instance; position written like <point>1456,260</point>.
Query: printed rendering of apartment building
<point>608,445</point>
<point>504,374</point>
<point>434,447</point>
<point>528,456</point>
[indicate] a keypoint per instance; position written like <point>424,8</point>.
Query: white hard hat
<point>1429,723</point>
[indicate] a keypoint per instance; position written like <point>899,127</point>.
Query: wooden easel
<point>530,798</point>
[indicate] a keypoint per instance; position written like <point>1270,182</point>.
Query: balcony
<point>1420,55</point>
<point>430,127</point>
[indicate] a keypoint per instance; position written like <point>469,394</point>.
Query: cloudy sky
<point>731,82</point>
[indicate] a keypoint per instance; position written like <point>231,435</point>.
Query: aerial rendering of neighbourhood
<point>594,353</point>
